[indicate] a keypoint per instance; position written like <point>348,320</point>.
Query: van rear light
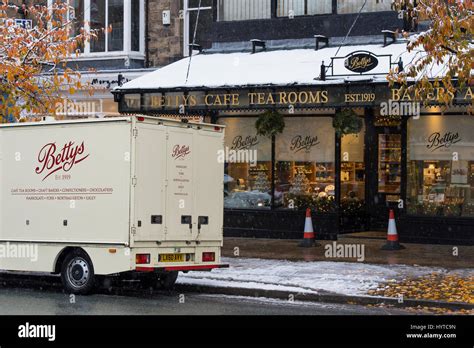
<point>208,257</point>
<point>141,119</point>
<point>141,259</point>
<point>217,129</point>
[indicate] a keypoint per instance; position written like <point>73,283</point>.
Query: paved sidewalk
<point>414,254</point>
<point>338,282</point>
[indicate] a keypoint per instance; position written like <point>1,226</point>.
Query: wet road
<point>45,297</point>
<point>37,302</point>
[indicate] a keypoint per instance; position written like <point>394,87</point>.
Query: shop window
<point>354,6</point>
<point>441,166</point>
<point>352,172</point>
<point>240,10</point>
<point>288,8</point>
<point>305,164</point>
<point>247,179</point>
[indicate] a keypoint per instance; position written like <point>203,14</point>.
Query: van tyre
<point>77,273</point>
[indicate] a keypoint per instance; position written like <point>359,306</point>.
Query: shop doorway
<point>384,192</point>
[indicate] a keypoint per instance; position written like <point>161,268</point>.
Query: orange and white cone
<point>308,238</point>
<point>392,235</point>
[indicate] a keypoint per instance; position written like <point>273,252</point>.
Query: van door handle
<point>203,220</point>
<point>187,220</point>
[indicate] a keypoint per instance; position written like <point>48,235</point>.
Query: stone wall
<point>164,42</point>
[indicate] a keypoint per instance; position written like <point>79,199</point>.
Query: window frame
<point>274,12</point>
<point>306,14</point>
<point>186,23</point>
<point>127,34</point>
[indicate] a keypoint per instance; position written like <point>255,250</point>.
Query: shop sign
<point>241,143</point>
<point>361,62</point>
<point>303,143</point>
<point>282,98</point>
<point>307,139</point>
<point>241,138</point>
<point>437,141</point>
<point>327,96</point>
<point>441,138</point>
<point>403,94</point>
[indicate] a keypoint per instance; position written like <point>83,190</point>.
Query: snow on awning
<point>271,68</point>
<point>282,79</point>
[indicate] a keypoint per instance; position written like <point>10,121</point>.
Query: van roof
<point>98,120</point>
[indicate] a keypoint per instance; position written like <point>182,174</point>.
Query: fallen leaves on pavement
<point>428,310</point>
<point>435,286</point>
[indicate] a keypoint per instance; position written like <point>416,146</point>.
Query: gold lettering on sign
<point>360,62</point>
<point>324,97</point>
<point>359,97</point>
<point>233,99</point>
<point>292,97</point>
<point>468,94</point>
<point>437,94</point>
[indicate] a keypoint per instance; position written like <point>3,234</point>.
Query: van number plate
<point>171,257</point>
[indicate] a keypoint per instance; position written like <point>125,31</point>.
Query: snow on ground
<point>346,278</point>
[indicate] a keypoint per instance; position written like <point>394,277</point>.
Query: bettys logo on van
<point>180,151</point>
<point>52,160</point>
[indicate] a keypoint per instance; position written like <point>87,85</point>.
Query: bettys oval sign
<point>361,62</point>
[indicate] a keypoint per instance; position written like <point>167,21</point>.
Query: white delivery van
<point>106,196</point>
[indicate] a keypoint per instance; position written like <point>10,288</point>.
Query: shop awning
<point>272,68</point>
<point>355,76</point>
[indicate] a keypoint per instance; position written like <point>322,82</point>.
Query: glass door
<point>388,164</point>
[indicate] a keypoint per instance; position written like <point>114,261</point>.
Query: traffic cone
<point>392,235</point>
<point>308,238</point>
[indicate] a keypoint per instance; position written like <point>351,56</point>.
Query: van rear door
<point>180,154</point>
<point>150,179</point>
<point>209,190</point>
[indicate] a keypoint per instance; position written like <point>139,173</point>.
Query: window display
<point>389,166</point>
<point>247,179</point>
<point>305,171</point>
<point>353,167</point>
<point>441,166</point>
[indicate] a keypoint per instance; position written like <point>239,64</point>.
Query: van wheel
<point>77,273</point>
<point>167,280</point>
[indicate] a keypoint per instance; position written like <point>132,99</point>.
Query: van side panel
<point>66,183</point>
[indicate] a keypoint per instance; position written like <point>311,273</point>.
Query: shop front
<point>440,177</point>
<point>258,199</point>
<point>419,164</point>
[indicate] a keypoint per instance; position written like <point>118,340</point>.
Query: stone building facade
<point>164,41</point>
